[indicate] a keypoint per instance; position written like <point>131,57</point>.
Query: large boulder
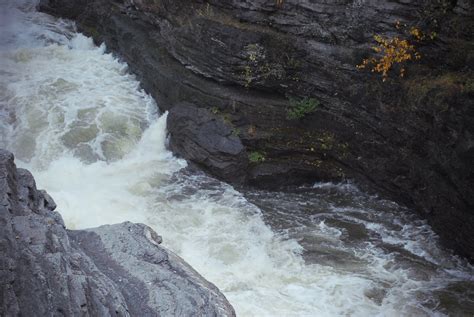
<point>204,138</point>
<point>116,270</point>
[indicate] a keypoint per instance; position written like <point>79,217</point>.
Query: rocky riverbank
<point>118,270</point>
<point>242,62</point>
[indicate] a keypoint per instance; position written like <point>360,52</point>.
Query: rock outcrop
<point>113,270</point>
<point>202,137</point>
<point>411,139</point>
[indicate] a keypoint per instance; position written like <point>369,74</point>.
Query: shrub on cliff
<point>256,157</point>
<point>300,108</point>
<point>397,51</point>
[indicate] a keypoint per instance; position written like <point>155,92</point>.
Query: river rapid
<point>77,119</point>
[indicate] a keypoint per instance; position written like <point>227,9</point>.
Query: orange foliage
<point>393,51</point>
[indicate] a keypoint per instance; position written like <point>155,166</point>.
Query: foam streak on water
<point>73,115</point>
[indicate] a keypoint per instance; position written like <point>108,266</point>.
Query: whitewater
<point>75,116</point>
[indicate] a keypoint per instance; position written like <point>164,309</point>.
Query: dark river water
<point>74,116</point>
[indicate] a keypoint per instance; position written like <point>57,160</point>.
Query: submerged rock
<point>118,270</point>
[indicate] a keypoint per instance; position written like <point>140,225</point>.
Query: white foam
<point>94,140</point>
<point>84,43</point>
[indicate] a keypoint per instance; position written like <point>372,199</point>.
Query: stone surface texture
<point>113,270</point>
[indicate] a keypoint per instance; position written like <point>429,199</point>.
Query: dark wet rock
<point>205,139</point>
<point>119,270</point>
<point>410,139</point>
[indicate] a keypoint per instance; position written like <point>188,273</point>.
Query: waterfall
<point>77,119</point>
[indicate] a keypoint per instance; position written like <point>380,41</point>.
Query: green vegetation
<point>468,86</point>
<point>327,141</point>
<point>257,67</point>
<point>256,157</point>
<point>300,108</point>
<point>255,55</point>
<point>247,76</point>
<point>215,110</point>
<point>236,132</point>
<point>263,64</point>
<point>206,11</point>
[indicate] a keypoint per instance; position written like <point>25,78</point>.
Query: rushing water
<point>76,118</point>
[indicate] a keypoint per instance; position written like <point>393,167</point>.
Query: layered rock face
<point>113,270</point>
<point>410,138</point>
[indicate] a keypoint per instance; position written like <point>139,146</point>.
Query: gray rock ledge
<point>119,270</point>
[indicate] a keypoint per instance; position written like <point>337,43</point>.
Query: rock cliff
<point>113,270</point>
<point>410,138</point>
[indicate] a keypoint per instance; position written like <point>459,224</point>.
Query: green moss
<point>256,157</point>
<point>236,132</point>
<point>205,11</point>
<point>343,150</point>
<point>215,110</point>
<point>226,117</point>
<point>248,76</point>
<point>327,141</point>
<point>270,60</point>
<point>298,109</point>
<point>468,86</point>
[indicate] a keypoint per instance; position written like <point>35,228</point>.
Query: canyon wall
<point>244,64</point>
